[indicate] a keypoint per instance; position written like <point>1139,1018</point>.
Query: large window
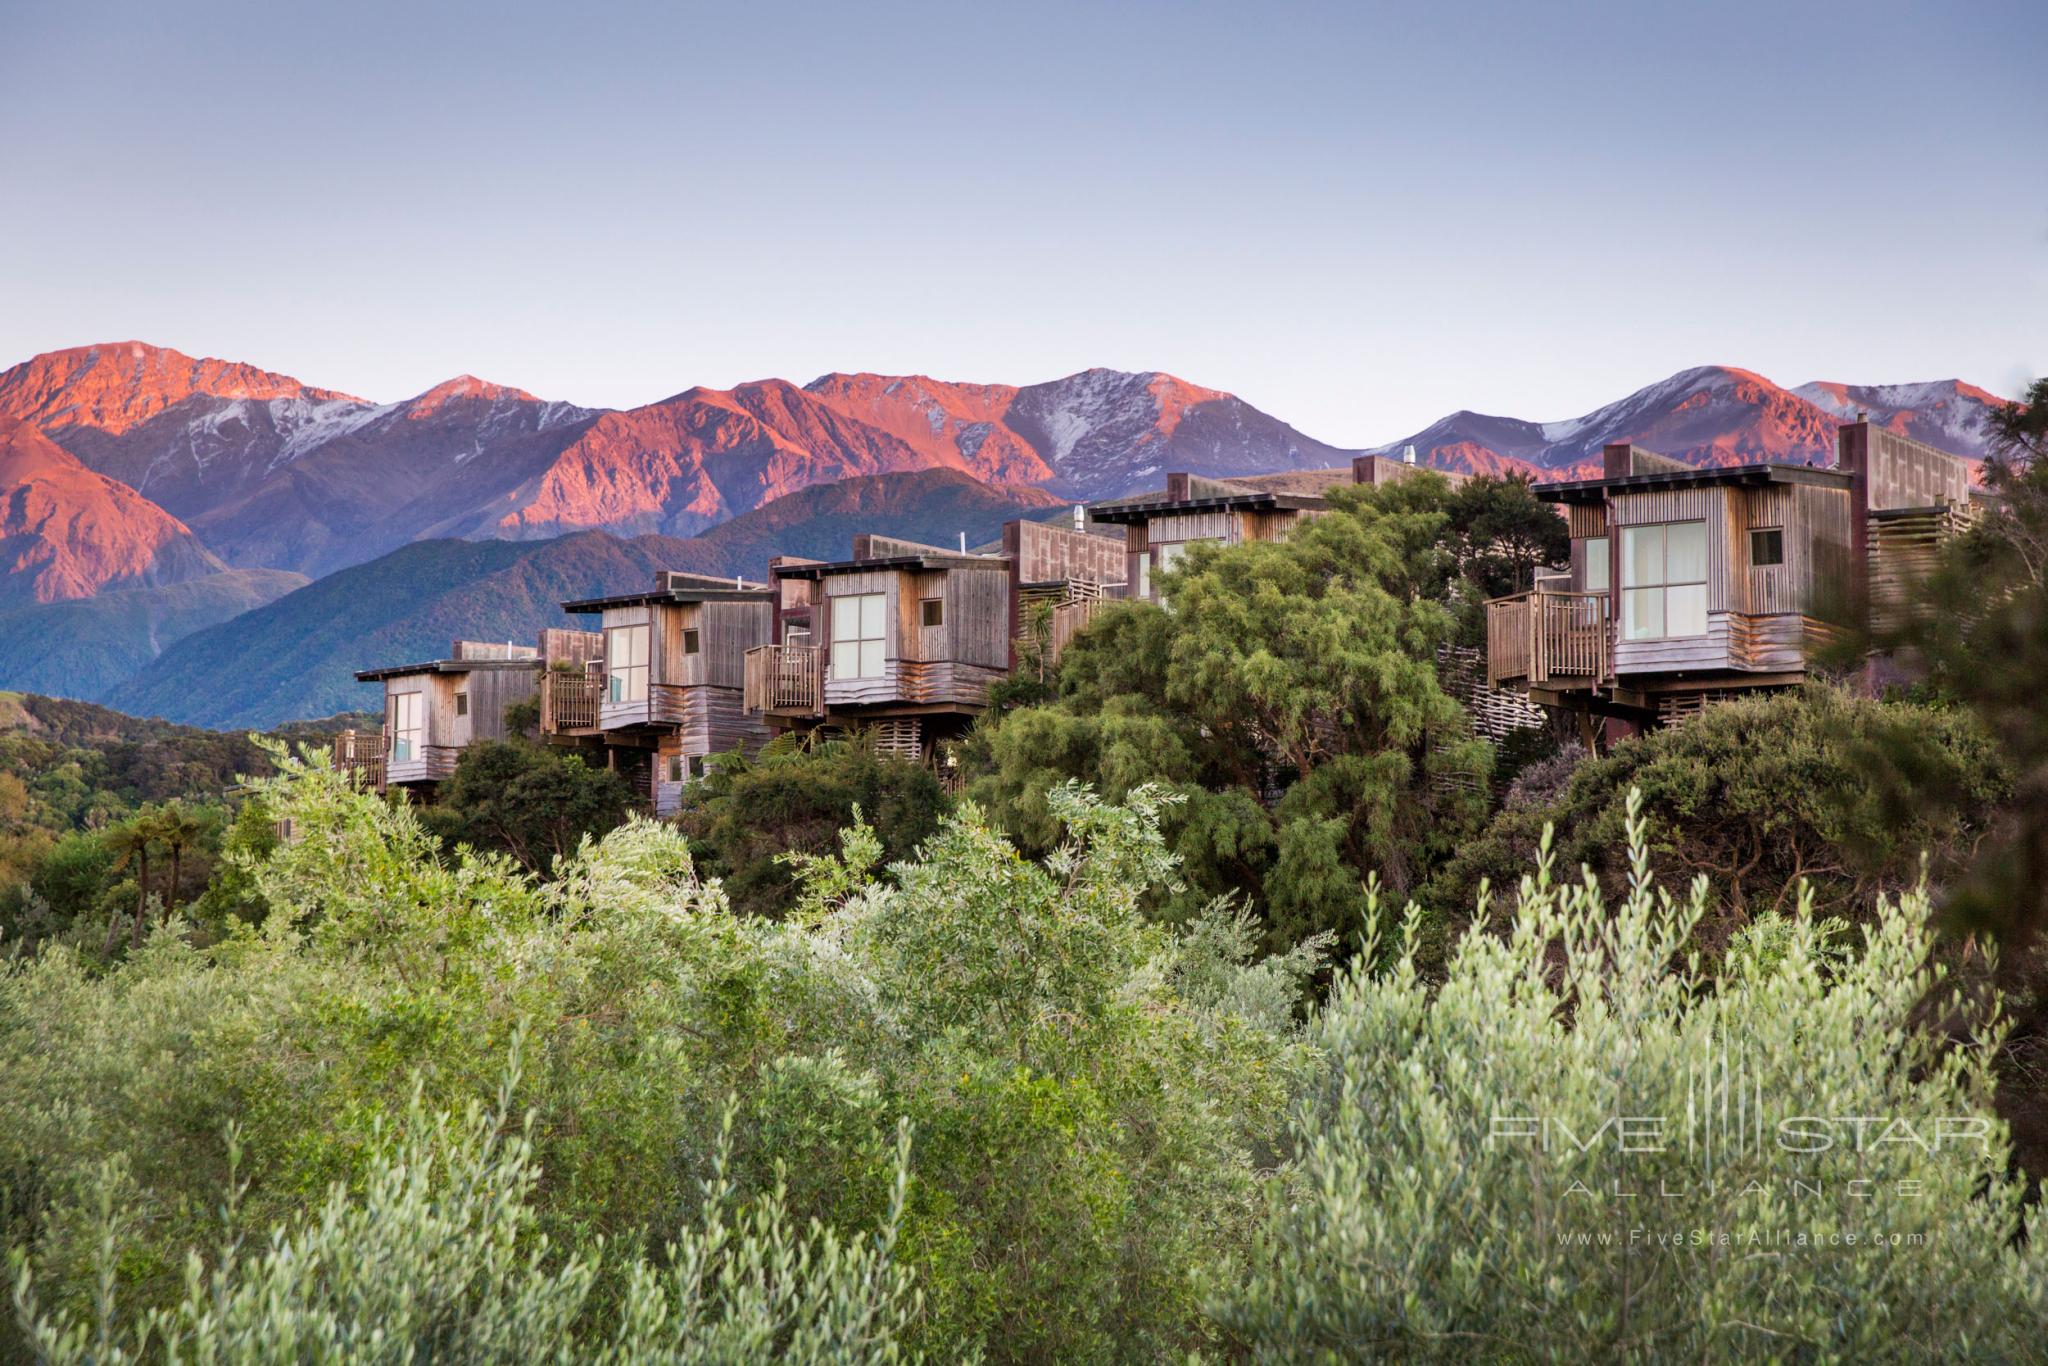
<point>1599,578</point>
<point>408,727</point>
<point>1664,581</point>
<point>625,664</point>
<point>857,635</point>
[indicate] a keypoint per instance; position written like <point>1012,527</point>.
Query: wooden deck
<point>788,680</point>
<point>360,755</point>
<point>569,702</point>
<point>1548,639</point>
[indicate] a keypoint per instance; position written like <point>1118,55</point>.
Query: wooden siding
<point>491,691</point>
<point>952,662</point>
<point>1709,505</point>
<point>1585,519</point>
<point>1735,642</point>
<point>1043,553</point>
<point>1903,473</point>
<point>571,647</point>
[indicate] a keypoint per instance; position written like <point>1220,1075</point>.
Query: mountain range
<point>197,500</point>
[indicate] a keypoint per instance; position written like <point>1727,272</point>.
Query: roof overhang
<point>1236,502</point>
<point>675,597</point>
<point>919,563</point>
<point>446,666</point>
<point>1600,490</point>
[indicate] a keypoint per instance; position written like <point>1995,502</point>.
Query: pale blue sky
<point>1357,216</point>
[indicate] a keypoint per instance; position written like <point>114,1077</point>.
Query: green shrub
<point>1582,1147</point>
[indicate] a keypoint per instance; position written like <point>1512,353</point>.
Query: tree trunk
<point>141,897</point>
<point>171,894</point>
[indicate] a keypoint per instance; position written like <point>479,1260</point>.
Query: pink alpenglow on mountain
<point>119,385</point>
<point>66,532</point>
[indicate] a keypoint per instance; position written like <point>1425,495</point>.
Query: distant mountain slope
<point>66,532</point>
<point>272,472</point>
<point>1711,415</point>
<point>297,656</point>
<point>819,523</point>
<point>83,648</point>
<point>1947,414</point>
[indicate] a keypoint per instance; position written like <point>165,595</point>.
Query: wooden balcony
<point>360,755</point>
<point>785,679</point>
<point>569,702</point>
<point>1548,639</point>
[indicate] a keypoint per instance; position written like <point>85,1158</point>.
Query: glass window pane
<point>871,616</point>
<point>1642,614</point>
<point>845,658</point>
<point>1685,555</point>
<point>845,618</point>
<point>1597,577</point>
<point>1685,610</point>
<point>1642,556</point>
<point>871,659</point>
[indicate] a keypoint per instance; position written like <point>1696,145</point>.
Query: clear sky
<point>1357,216</point>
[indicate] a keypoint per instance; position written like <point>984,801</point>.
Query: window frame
<point>1772,531</point>
<point>1604,581</point>
<point>867,648</point>
<point>412,737</point>
<point>931,612</point>
<point>625,683</point>
<point>462,701</point>
<point>1662,585</point>
<point>693,640</point>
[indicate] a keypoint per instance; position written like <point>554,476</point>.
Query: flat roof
<point>925,562</point>
<point>445,666</point>
<point>674,596</point>
<point>1152,507</point>
<point>1598,490</point>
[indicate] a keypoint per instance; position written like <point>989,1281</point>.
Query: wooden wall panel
<point>491,691</point>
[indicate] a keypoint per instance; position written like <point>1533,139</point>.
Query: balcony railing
<point>360,754</point>
<point>785,678</point>
<point>1545,638</point>
<point>569,702</point>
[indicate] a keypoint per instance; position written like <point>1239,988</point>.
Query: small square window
<point>690,641</point>
<point>696,765</point>
<point>932,611</point>
<point>1767,546</point>
<point>672,768</point>
<point>462,704</point>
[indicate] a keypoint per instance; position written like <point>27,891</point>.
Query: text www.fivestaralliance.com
<point>1746,1238</point>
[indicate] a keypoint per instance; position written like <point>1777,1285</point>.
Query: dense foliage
<point>972,1101</point>
<point>528,800</point>
<point>747,815</point>
<point>1763,797</point>
<point>1089,1093</point>
<point>1290,696</point>
<point>103,815</point>
<point>1761,1163</point>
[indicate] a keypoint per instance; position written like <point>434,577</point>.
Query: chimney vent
<point>963,543</point>
<point>1080,516</point>
<point>1407,455</point>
